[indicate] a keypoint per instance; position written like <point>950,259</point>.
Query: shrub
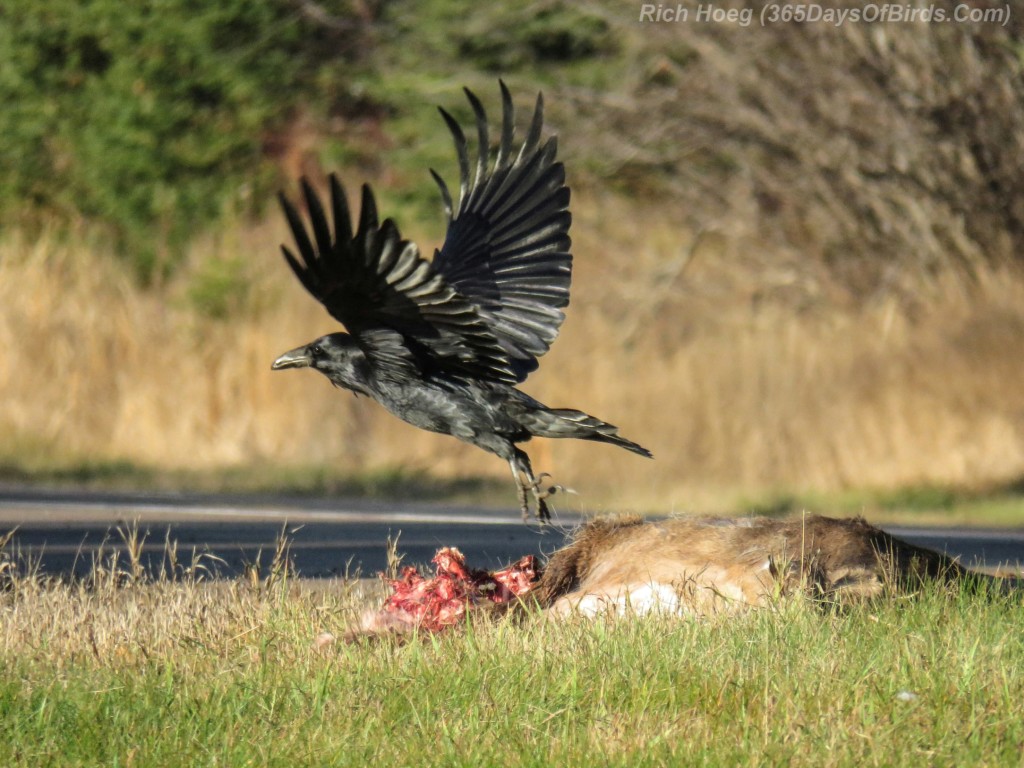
<point>148,117</point>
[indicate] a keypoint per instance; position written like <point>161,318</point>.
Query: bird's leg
<point>521,464</point>
<point>524,507</point>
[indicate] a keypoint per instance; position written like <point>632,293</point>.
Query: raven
<point>442,343</point>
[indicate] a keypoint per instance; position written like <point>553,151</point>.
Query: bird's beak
<point>297,358</point>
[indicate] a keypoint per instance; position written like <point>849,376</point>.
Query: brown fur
<point>721,563</point>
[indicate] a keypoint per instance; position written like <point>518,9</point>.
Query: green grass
<point>164,674</point>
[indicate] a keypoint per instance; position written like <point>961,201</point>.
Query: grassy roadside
<point>181,673</point>
<point>994,506</point>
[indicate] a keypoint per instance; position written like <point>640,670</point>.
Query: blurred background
<point>798,274</point>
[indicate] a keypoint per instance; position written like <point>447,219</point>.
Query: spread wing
<point>507,246</point>
<point>397,306</point>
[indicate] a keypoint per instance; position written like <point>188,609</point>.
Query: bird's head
<point>336,356</point>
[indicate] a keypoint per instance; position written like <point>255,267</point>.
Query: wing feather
<point>507,248</point>
<point>491,301</point>
<point>396,305</point>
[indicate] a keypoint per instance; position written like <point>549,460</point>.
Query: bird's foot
<point>524,508</point>
<point>542,492</point>
<point>542,516</point>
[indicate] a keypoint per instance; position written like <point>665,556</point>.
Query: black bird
<point>442,343</point>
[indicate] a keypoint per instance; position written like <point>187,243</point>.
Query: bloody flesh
<point>433,603</point>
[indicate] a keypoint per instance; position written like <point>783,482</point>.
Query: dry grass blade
<point>394,557</point>
<point>7,564</point>
<point>282,566</point>
<point>134,541</point>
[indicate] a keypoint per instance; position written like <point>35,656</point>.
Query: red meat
<point>433,603</point>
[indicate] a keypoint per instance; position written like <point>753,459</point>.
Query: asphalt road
<point>64,530</point>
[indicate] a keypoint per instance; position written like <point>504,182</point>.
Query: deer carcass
<point>686,566</point>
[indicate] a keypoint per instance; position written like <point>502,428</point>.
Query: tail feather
<point>563,422</point>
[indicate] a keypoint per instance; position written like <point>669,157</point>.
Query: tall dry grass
<point>670,335</point>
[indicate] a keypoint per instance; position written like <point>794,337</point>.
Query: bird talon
<point>541,493</point>
<point>543,513</point>
<point>535,485</point>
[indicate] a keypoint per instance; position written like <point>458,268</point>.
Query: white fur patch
<point>638,599</point>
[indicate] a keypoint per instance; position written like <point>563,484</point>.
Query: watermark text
<point>818,13</point>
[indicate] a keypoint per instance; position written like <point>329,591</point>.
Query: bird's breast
<point>451,411</point>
